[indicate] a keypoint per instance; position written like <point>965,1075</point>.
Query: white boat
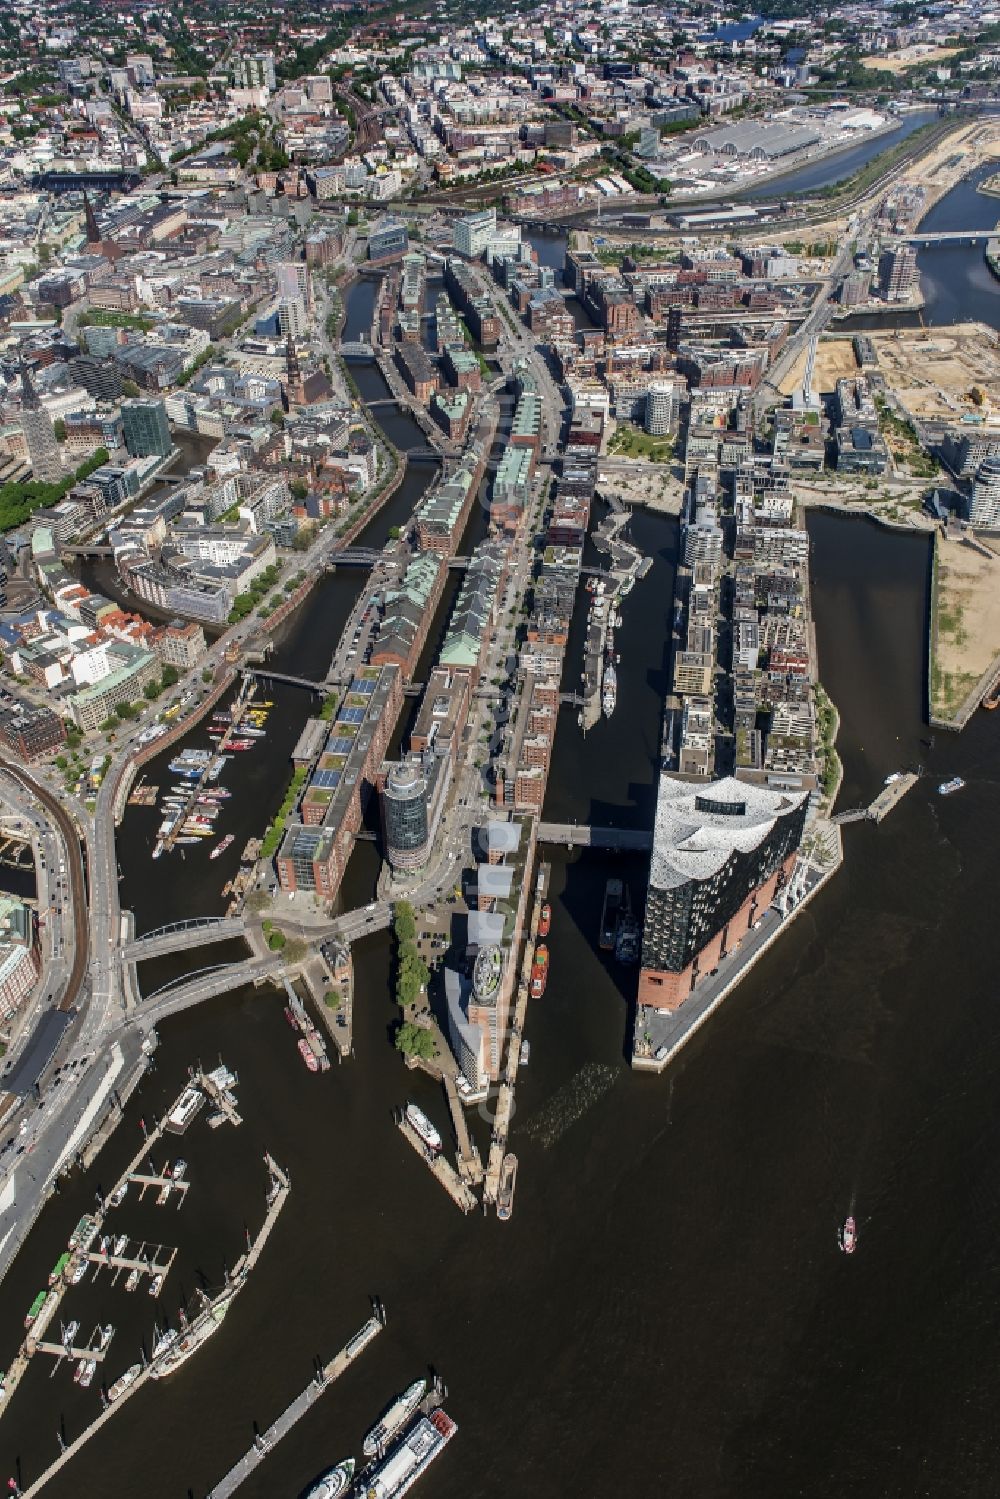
<point>85,1370</point>
<point>70,1332</point>
<point>180,1167</point>
<point>164,1341</point>
<point>155,1285</point>
<point>204,1325</point>
<point>333,1482</point>
<point>609,692</point>
<point>947,788</point>
<point>106,1334</point>
<point>118,1195</point>
<point>78,1271</point>
<point>397,1415</point>
<point>848,1236</point>
<point>122,1384</point>
<point>118,1247</point>
<point>418,1120</point>
<point>133,1280</point>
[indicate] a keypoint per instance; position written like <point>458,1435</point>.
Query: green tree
<point>59,428</point>
<point>299,488</point>
<point>404,925</point>
<point>415,1041</point>
<point>129,388</point>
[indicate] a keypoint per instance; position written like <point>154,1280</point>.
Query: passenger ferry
<point>333,1482</point>
<point>418,1120</point>
<point>396,1416</point>
<point>396,1474</point>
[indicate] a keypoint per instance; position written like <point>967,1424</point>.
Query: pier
<point>470,1167</point>
<point>266,1441</point>
<point>446,1174</point>
<point>890,796</point>
<point>505,1097</point>
<point>157,1262</point>
<point>278,1189</point>
<point>164,1181</point>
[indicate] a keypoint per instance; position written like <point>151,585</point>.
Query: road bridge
<point>198,932</point>
<point>926,237</point>
<point>581,835</point>
<point>209,985</point>
<point>357,349</point>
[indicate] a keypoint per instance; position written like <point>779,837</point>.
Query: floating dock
<point>164,1182</point>
<point>446,1174</point>
<point>278,1189</point>
<point>267,1440</point>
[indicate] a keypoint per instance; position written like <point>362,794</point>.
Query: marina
<point>177,1351</point>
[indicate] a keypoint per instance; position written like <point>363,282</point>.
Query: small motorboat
<point>848,1236</point>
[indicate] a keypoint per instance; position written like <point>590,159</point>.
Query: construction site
<point>943,374</point>
<point>834,361</point>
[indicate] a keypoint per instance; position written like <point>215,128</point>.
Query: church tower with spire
<point>93,231</point>
<point>294,387</point>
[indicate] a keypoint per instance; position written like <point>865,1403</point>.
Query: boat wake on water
<point>570,1103</point>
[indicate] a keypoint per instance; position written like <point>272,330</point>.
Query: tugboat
<point>539,971</point>
<point>848,1236</point>
<point>333,1482</point>
<point>545,920</point>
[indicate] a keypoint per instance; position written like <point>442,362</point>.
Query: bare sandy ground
<point>934,371</point>
<point>967,596</point>
<point>907,57</point>
<point>834,361</point>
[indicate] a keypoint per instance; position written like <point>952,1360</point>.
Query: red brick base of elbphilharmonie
<point>662,990</point>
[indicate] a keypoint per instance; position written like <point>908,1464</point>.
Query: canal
<point>667,1306</point>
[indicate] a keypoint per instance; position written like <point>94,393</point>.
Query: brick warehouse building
<point>720,852</point>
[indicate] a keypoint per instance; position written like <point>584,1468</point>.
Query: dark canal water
<point>831,169</point>
<point>668,1305</point>
<point>667,1311</point>
<point>955,279</point>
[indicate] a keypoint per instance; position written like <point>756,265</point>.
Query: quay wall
<point>650,1064</point>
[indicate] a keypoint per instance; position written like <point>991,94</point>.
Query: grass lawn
<point>629,442</point>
